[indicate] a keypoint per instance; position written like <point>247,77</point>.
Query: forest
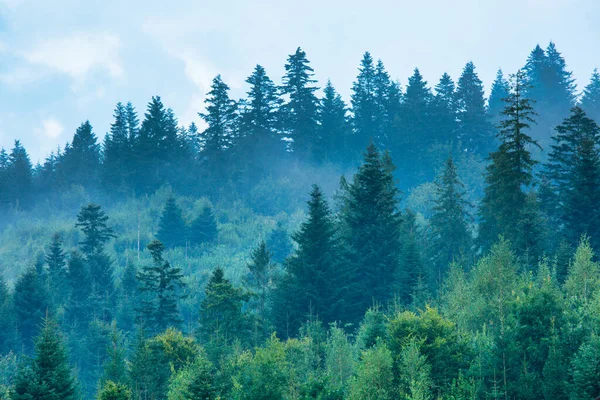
<point>422,242</point>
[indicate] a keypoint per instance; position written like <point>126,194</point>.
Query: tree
<point>371,232</point>
<point>443,110</point>
<point>115,367</point>
<point>500,90</point>
<point>260,278</point>
<point>221,316</point>
<point>219,136</point>
<point>374,375</point>
<point>415,373</point>
<point>81,160</point>
<point>300,112</point>
<point>30,300</point>
<point>279,243</point>
<point>204,227</point>
<point>160,285</point>
<point>334,130</point>
<point>509,172</point>
<point>93,223</point>
<point>573,176</point>
<point>451,235</point>
<point>56,260</point>
<point>78,308</point>
<point>48,375</point>
<point>474,128</point>
<point>118,151</point>
<point>19,177</point>
<point>586,370</point>
<point>310,285</point>
<point>8,323</point>
<point>583,279</point>
<point>195,382</point>
<point>590,100</point>
<point>364,104</point>
<point>114,391</point>
<point>171,227</point>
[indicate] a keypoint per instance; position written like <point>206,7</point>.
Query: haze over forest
<point>298,239</point>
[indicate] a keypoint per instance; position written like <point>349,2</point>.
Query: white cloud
<point>51,129</point>
<point>78,55</point>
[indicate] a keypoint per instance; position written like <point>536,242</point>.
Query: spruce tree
<point>171,227</point>
<point>590,101</point>
<point>79,283</point>
<point>114,391</point>
<point>56,260</point>
<point>8,323</point>
<point>81,160</point>
<point>474,129</point>
<point>19,177</point>
<point>93,223</point>
<point>443,111</point>
<point>311,285</point>
<point>364,104</point>
<point>573,176</point>
<point>586,370</point>
<point>372,235</point>
<point>203,228</point>
<point>279,243</point>
<point>117,152</point>
<point>47,376</point>
<point>300,112</point>
<point>220,116</point>
<point>161,287</point>
<point>510,171</point>
<point>259,278</point>
<point>500,90</point>
<point>30,300</point>
<point>333,142</point>
<point>450,223</point>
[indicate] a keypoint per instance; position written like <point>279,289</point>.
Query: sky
<point>66,61</point>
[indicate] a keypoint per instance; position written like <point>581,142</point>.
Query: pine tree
<point>279,243</point>
<point>586,370</point>
<point>415,373</point>
<point>371,224</point>
<point>573,176</point>
<point>300,112</point>
<point>590,100</point>
<point>117,152</point>
<point>30,300</point>
<point>160,285</point>
<point>8,323</point>
<point>171,227</point>
<point>203,228</point>
<point>78,307</point>
<point>19,181</point>
<point>56,260</point>
<point>93,223</point>
<point>115,367</point>
<point>509,172</point>
<point>334,130</point>
<point>260,277</point>
<point>364,105</point>
<point>48,376</point>
<point>500,90</point>
<point>452,239</point>
<point>114,391</point>
<point>443,111</point>
<point>222,319</point>
<point>4,179</point>
<point>387,98</point>
<point>310,285</point>
<point>81,160</point>
<point>474,129</point>
<point>220,116</point>
<point>195,382</point>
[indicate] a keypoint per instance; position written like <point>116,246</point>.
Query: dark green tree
<point>510,171</point>
<point>56,260</point>
<point>333,143</point>
<point>93,223</point>
<point>30,300</point>
<point>47,376</point>
<point>171,227</point>
<point>203,228</point>
<point>450,224</point>
<point>117,152</point>
<point>8,322</point>
<point>364,104</point>
<point>500,90</point>
<point>114,391</point>
<point>310,285</point>
<point>161,288</point>
<point>81,160</point>
<point>590,101</point>
<point>474,129</point>
<point>586,370</point>
<point>300,112</point>
<point>279,243</point>
<point>259,278</point>
<point>443,111</point>
<point>19,177</point>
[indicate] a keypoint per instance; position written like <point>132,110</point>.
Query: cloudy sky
<point>65,61</point>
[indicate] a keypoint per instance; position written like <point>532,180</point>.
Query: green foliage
<point>194,382</point>
<point>203,228</point>
<point>374,375</point>
<point>114,391</point>
<point>172,228</point>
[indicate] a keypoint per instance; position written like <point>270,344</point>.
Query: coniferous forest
<point>417,242</point>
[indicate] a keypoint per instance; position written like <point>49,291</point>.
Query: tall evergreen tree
<point>311,285</point>
<point>334,130</point>
<point>79,283</point>
<point>30,300</point>
<point>279,243</point>
<point>161,286</point>
<point>203,228</point>
<point>474,128</point>
<point>56,260</point>
<point>573,174</point>
<point>81,160</point>
<point>500,90</point>
<point>590,100</point>
<point>48,376</point>
<point>300,112</point>
<point>8,322</point>
<point>219,136</point>
<point>19,177</point>
<point>364,104</point>
<point>117,152</point>
<point>510,171</point>
<point>452,239</point>
<point>171,227</point>
<point>371,228</point>
<point>260,277</point>
<point>443,111</point>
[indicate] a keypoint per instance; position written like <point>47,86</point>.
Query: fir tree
<point>117,152</point>
<point>279,243</point>
<point>93,223</point>
<point>443,111</point>
<point>474,128</point>
<point>310,285</point>
<point>114,391</point>
<point>300,112</point>
<point>160,285</point>
<point>78,308</point>
<point>203,228</point>
<point>509,172</point>
<point>334,130</point>
<point>172,228</point>
<point>452,239</point>
<point>260,277</point>
<point>30,300</point>
<point>500,90</point>
<point>48,376</point>
<point>586,370</point>
<point>372,234</point>
<point>364,104</point>
<point>590,100</point>
<point>8,323</point>
<point>56,260</point>
<point>81,160</point>
<point>19,177</point>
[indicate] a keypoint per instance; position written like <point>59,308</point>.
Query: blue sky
<point>65,61</point>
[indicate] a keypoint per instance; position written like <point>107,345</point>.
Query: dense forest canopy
<point>419,242</point>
